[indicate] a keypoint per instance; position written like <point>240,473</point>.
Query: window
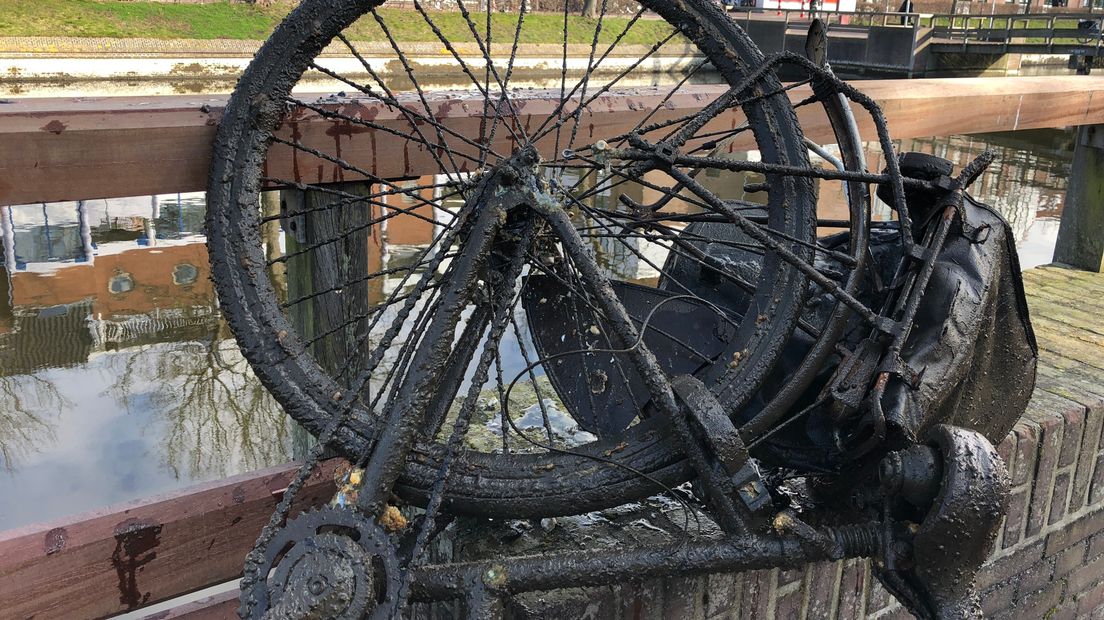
<point>185,273</point>
<point>120,283</point>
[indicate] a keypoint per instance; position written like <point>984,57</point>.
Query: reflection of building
<point>134,281</point>
<point>92,275</point>
<point>1027,180</point>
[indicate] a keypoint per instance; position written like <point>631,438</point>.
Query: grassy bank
<point>116,19</point>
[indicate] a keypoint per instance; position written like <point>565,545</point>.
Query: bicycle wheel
<point>348,313</point>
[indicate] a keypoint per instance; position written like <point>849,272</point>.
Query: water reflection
<point>446,79</point>
<point>118,378</point>
<point>1026,184</point>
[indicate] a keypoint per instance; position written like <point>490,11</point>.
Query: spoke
<point>390,384</point>
<point>501,398</point>
<point>348,198</point>
<point>452,50</point>
<point>533,379</point>
<point>586,77</point>
<point>502,302</point>
<point>357,280</point>
<point>510,71</point>
<point>544,129</point>
<point>417,87</point>
<point>396,211</point>
<point>485,49</point>
<point>388,98</point>
<point>647,365</point>
<point>370,313</point>
<point>332,115</point>
<point>647,117</point>
<point>761,236</point>
<point>642,129</point>
<point>446,238</point>
<point>369,176</point>
<point>563,80</point>
<point>413,117</point>
<point>765,168</point>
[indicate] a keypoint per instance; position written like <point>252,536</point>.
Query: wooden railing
<point>62,149</point>
<point>126,557</point>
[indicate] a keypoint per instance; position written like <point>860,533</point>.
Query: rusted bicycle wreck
<point>830,387</point>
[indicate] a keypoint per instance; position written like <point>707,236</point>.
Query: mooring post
<point>330,247</point>
<point>1081,235</point>
<point>329,243</point>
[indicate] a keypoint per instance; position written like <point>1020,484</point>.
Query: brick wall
<point>1049,561</point>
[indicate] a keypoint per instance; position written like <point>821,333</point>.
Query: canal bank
<point>67,66</point>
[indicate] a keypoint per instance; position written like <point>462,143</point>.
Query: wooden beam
<point>126,557</point>
<point>222,606</point>
<point>61,149</point>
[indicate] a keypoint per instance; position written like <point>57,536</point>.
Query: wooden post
<point>339,251</point>
<point>1081,235</point>
<point>331,271</point>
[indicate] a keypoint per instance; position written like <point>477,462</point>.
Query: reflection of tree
<point>219,419</point>
<point>27,402</point>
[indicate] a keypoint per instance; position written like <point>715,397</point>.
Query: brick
<point>1036,577</point>
<point>682,597</point>
<point>758,590</point>
<point>1096,547</point>
<point>1027,452</point>
<point>1075,532</point>
<point>643,601</point>
<point>998,598</point>
<point>1094,422</point>
<point>1059,497</point>
<point>719,594</point>
<point>1096,487</point>
<point>563,603</point>
<point>1065,611</point>
<point>786,577</point>
<point>1041,603</point>
<point>851,589</point>
<point>1014,519</point>
<point>1050,442</point>
<point>879,598</point>
<point>1086,578</point>
<point>1090,600</point>
<point>1007,451</point>
<point>1071,436</point>
<point>896,613</point>
<point>822,590</point>
<point>1070,559</point>
<point>1005,568</point>
<point>790,605</point>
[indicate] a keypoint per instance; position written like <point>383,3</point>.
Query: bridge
<point>920,44</point>
<point>1049,556</point>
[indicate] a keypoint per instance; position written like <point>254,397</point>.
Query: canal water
<point>119,380</point>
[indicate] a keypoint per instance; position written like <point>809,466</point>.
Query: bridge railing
<point>831,18</point>
<point>1046,30</point>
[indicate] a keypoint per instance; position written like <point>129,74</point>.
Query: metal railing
<point>1043,30</point>
<point>830,17</point>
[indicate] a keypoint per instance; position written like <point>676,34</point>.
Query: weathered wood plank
<point>125,557</point>
<point>223,606</point>
<point>61,149</point>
